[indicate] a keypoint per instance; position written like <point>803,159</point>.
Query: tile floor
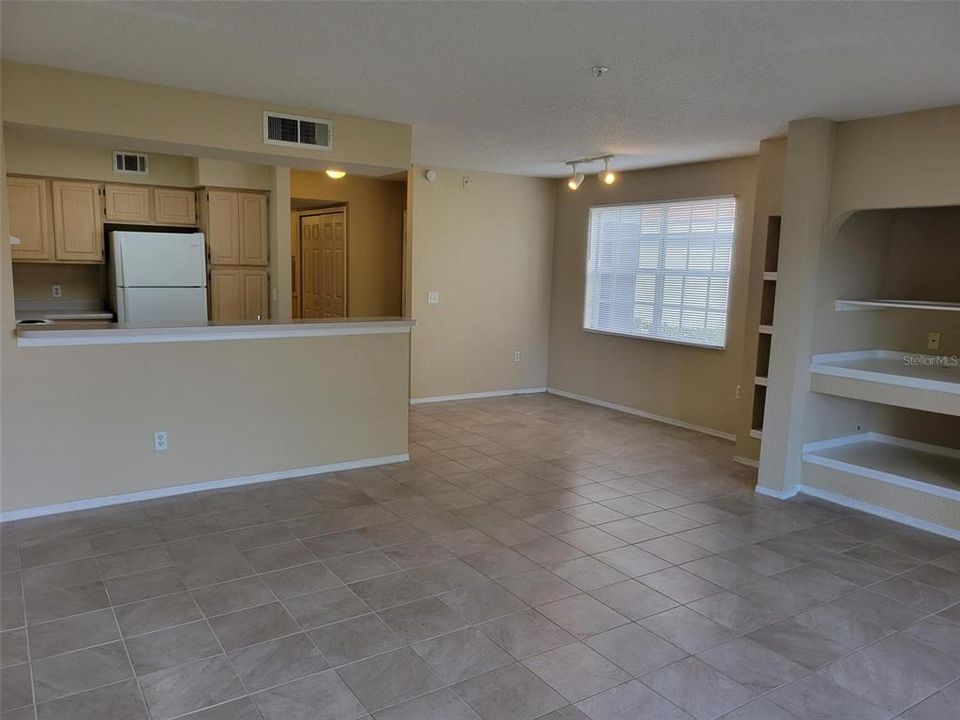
<point>537,558</point>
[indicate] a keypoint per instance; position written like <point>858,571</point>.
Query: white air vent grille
<point>281,129</point>
<point>129,162</point>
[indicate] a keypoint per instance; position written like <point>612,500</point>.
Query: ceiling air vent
<point>281,129</point>
<point>129,162</point>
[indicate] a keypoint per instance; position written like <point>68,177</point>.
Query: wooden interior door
<point>324,265</point>
<point>311,306</point>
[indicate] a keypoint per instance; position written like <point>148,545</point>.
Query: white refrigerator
<point>158,277</point>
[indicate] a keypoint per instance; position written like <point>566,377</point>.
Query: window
<point>661,270</point>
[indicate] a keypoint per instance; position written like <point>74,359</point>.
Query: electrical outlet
<point>516,356</point>
<point>160,440</point>
<point>933,341</point>
<point>57,291</point>
<point>738,392</point>
<point>433,297</point>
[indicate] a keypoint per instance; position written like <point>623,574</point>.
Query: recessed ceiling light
<point>335,174</point>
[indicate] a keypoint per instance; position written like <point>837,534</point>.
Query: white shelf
<point>770,276</point>
<point>756,434</point>
<point>890,378</point>
<point>919,466</point>
<point>759,380</point>
<point>842,305</point>
<point>766,329</point>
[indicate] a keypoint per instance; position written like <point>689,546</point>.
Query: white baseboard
<point>855,504</point>
<point>883,512</point>
<point>749,462</point>
<point>477,396</point>
<point>197,487</point>
<point>778,494</point>
<point>640,413</point>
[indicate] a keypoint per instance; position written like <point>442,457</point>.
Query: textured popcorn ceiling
<point>507,86</point>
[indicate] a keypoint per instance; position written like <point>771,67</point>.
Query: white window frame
<point>589,314</point>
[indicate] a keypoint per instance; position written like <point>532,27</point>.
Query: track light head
<point>574,182</point>
<point>608,176</point>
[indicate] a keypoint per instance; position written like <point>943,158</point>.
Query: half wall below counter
<point>239,404</point>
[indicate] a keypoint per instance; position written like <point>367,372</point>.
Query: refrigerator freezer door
<point>161,305</point>
<point>145,259</point>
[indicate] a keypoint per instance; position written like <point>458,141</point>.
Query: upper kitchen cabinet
<point>253,229</point>
<point>126,203</point>
<point>220,219</point>
<point>77,222</point>
<point>174,207</point>
<point>235,224</point>
<point>29,211</point>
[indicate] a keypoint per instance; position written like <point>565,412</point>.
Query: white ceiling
<point>506,86</point>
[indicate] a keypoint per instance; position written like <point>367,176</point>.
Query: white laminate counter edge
<point>205,333</point>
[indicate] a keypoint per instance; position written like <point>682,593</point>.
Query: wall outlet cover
<point>433,297</point>
<point>933,341</point>
<point>57,291</point>
<point>160,440</point>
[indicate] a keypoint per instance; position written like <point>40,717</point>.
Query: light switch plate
<point>433,297</point>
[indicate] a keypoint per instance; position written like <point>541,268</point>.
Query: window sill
<point>647,338</point>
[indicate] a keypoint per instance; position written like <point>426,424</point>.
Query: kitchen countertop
<point>109,333</point>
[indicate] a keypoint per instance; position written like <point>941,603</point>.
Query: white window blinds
<point>661,270</point>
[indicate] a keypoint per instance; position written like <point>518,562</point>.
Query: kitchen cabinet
<point>253,229</point>
<point>77,222</point>
<point>28,203</point>
<point>226,294</point>
<point>256,301</point>
<point>126,203</point>
<point>172,206</point>
<point>220,218</point>
<point>235,224</point>
<point>238,293</point>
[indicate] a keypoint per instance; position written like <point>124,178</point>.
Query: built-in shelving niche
<point>884,433</point>
<point>771,261</point>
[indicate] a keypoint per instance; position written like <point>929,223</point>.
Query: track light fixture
<point>607,176</point>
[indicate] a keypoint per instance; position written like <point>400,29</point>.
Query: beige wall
<point>485,246</point>
<point>79,421</point>
<point>374,236</point>
<point>36,152</point>
<point>185,121</point>
<point>689,384</point>
<point>34,281</point>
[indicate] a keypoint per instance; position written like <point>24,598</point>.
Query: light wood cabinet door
<point>221,215</point>
<point>253,229</point>
<point>77,222</point>
<point>226,294</point>
<point>174,207</point>
<point>256,296</point>
<point>29,212</point>
<point>126,203</point>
